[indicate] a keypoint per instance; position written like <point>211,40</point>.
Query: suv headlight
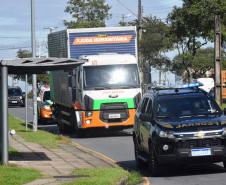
<point>164,134</point>
<point>224,131</point>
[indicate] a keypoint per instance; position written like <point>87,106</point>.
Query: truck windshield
<point>111,76</point>
<point>186,106</point>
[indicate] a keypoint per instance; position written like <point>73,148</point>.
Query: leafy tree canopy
<point>197,66</point>
<point>155,41</point>
<point>193,24</point>
<point>23,53</point>
<point>87,13</point>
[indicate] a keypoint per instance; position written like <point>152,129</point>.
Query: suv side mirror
<point>144,117</point>
<point>224,111</point>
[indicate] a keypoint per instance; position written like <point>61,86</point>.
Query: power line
<point>123,5</point>
<point>14,48</point>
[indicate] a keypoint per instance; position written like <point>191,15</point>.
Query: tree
<point>198,65</point>
<point>87,13</point>
<point>192,26</point>
<point>23,53</point>
<point>154,43</point>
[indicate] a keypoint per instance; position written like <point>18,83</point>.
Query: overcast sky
<point>15,19</point>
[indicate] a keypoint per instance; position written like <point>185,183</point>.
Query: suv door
<point>142,122</point>
<point>147,125</point>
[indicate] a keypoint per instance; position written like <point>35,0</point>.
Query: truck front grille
<point>114,112</point>
<point>200,143</point>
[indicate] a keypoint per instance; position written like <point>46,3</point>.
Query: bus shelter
<point>24,66</point>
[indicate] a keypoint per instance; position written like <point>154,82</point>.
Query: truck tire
<point>79,132</point>
<point>152,162</point>
<point>61,126</point>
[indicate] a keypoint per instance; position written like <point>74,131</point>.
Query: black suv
<point>178,126</point>
<point>15,96</point>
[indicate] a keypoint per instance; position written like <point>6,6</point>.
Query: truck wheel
<point>139,162</point>
<point>79,132</point>
<point>152,162</point>
<point>61,126</point>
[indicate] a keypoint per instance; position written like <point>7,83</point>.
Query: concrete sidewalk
<point>56,165</point>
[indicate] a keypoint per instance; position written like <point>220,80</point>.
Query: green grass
<point>103,176</point>
<point>41,137</point>
<point>17,176</point>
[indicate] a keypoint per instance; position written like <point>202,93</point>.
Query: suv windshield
<point>14,92</point>
<point>110,76</point>
<point>184,105</point>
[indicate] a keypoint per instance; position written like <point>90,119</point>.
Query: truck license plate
<point>14,101</point>
<point>114,116</point>
<point>201,152</point>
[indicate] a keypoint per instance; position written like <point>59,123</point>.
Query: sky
<point>15,20</point>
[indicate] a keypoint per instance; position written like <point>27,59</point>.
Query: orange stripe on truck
<point>96,122</point>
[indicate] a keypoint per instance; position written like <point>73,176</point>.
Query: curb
<point>107,159</point>
<point>95,154</point>
<point>123,181</point>
<point>146,181</point>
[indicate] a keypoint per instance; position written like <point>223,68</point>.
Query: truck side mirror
<point>144,117</point>
<point>38,99</point>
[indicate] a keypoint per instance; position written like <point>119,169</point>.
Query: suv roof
<point>174,91</point>
<point>14,87</point>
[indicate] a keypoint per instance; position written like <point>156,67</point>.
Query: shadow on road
<point>97,133</point>
<point>176,170</point>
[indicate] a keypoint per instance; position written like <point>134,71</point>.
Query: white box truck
<point>103,92</point>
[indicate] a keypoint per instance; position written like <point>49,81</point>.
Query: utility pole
<point>217,46</point>
<point>139,19</point>
<point>34,76</point>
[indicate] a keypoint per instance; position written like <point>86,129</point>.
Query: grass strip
<point>17,176</point>
<point>44,138</point>
<point>104,176</point>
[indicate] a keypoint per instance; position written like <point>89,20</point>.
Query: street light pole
<point>34,76</point>
<point>217,47</point>
<point>4,116</point>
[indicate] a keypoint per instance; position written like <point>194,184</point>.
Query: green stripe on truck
<point>129,101</point>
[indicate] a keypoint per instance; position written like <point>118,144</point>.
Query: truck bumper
<point>94,121</point>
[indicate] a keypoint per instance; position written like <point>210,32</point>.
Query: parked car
<point>178,126</point>
<point>44,105</point>
<point>15,96</point>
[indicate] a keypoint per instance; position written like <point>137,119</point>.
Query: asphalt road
<point>119,146</point>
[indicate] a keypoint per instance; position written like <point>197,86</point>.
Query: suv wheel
<point>152,162</point>
<point>139,162</point>
<point>224,163</point>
